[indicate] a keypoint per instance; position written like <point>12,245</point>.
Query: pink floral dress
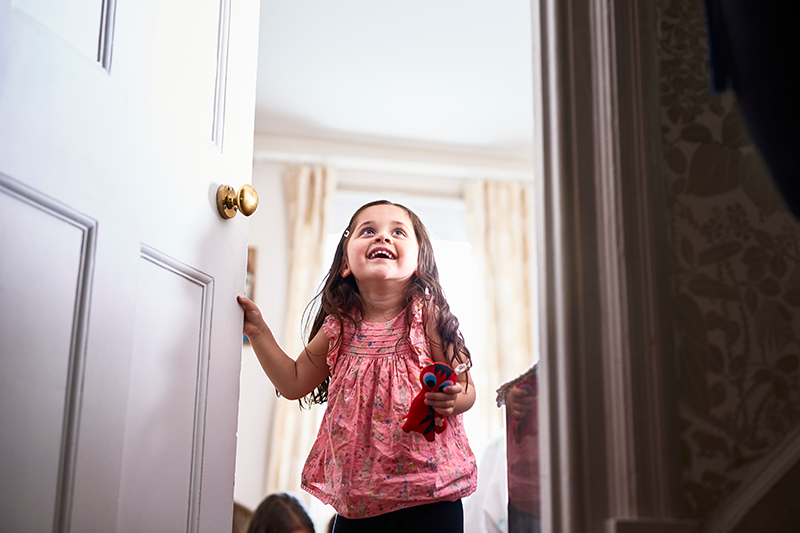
<point>362,462</point>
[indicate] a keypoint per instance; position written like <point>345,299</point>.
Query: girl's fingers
<point>440,402</point>
<point>250,309</point>
<point>252,317</point>
<point>453,389</point>
<point>442,407</point>
<point>443,396</point>
<point>443,400</point>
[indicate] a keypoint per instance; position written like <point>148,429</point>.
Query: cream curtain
<point>501,230</point>
<point>309,192</point>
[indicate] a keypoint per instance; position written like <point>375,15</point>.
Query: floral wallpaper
<point>736,274</point>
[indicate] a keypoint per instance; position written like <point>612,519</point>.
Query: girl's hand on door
<point>254,324</point>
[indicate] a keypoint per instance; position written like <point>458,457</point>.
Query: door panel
<point>41,352</point>
<point>166,401</point>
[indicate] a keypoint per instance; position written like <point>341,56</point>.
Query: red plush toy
<point>423,418</point>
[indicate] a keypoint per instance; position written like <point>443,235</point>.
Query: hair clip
<point>346,233</point>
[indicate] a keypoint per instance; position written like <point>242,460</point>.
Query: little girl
<point>382,318</point>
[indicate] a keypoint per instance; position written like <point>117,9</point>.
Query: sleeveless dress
<point>362,462</point>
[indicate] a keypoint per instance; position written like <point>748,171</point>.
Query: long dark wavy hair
<point>339,298</point>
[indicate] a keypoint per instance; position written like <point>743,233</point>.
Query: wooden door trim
<point>605,342</point>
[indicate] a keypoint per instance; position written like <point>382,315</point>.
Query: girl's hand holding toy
<point>435,401</point>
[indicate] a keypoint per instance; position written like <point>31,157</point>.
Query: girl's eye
<point>367,231</point>
<point>399,232</point>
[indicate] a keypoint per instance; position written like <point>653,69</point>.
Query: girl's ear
<point>345,271</point>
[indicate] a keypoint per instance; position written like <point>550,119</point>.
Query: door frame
<point>607,408</point>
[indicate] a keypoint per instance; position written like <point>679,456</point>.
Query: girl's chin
<point>387,277</point>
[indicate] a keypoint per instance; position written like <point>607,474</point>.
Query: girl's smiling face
<point>382,246</point>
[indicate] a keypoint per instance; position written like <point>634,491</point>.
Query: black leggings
<point>438,517</point>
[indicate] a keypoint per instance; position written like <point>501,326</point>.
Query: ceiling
<point>445,74</point>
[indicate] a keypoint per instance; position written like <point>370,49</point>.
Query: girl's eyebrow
<point>365,223</point>
<point>392,223</point>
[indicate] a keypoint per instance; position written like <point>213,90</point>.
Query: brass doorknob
<point>229,202</point>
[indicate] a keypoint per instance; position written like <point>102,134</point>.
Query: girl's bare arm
<point>461,396</point>
<point>294,379</point>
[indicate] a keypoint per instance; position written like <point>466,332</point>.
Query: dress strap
<point>416,334</point>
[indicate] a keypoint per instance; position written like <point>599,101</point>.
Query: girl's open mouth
<point>381,253</point>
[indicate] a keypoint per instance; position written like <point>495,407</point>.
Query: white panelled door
<point>120,335</point>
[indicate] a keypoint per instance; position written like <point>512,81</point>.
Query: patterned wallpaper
<point>736,274</point>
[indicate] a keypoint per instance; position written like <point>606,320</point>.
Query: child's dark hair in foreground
<point>280,513</point>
